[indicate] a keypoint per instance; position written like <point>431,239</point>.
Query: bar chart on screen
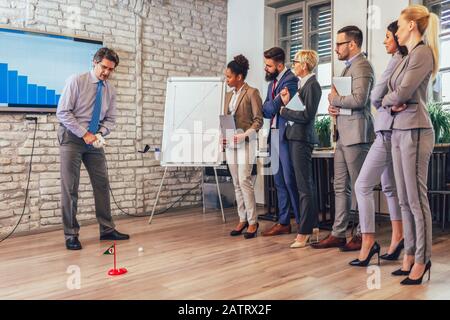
<point>34,68</point>
<point>15,90</point>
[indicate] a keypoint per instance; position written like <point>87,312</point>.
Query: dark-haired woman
<point>245,105</point>
<point>378,167</point>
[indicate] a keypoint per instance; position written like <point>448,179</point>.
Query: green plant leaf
<point>440,119</point>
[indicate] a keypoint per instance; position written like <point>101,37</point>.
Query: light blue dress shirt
<point>77,101</point>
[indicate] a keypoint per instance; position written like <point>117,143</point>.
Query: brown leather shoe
<point>329,242</point>
<point>277,230</point>
<point>353,245</point>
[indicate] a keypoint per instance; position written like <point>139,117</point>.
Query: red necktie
<point>273,97</point>
<point>273,88</point>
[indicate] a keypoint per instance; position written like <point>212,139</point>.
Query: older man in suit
<point>354,133</point>
<point>280,77</point>
<point>86,111</point>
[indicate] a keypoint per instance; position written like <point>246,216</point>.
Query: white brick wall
<point>154,39</point>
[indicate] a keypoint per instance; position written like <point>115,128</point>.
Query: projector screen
<point>34,67</point>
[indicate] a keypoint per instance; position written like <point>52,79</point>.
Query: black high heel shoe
<point>396,254</point>
<point>234,233</point>
<point>409,282</point>
<point>250,235</point>
<point>364,263</point>
<point>400,272</point>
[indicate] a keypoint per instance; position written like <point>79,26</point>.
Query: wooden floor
<point>189,255</point>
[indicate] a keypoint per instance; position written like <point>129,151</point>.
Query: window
<point>291,33</point>
<point>308,25</point>
<point>320,30</point>
<point>442,86</point>
<point>319,34</point>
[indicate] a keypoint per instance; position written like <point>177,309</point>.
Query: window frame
<point>291,16</point>
<point>429,4</point>
<point>310,4</point>
<point>446,103</point>
<point>289,10</point>
<point>304,7</point>
<point>309,34</point>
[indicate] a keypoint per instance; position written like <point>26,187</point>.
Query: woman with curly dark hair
<point>245,105</point>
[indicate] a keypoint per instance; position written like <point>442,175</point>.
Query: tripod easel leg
<point>203,189</point>
<point>220,197</point>
<point>157,196</point>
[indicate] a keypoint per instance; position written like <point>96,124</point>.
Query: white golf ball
<point>141,249</point>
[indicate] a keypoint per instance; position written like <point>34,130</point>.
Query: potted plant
<point>440,119</point>
<point>323,130</point>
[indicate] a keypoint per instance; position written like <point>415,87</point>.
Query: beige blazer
<point>409,85</point>
<point>248,110</point>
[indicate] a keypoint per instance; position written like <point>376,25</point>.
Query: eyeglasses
<point>338,44</point>
<point>295,61</point>
<point>105,68</point>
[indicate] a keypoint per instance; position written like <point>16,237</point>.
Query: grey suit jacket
<point>358,127</point>
<point>383,118</point>
<point>303,127</point>
<point>408,85</point>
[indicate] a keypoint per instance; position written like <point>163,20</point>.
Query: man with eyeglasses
<point>354,133</point>
<point>87,112</point>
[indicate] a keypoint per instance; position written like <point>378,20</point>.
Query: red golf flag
<point>110,250</point>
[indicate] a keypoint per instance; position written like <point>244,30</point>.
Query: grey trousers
<point>73,151</point>
<point>377,167</point>
<point>301,156</point>
<point>240,163</point>
<point>347,165</point>
<point>411,152</point>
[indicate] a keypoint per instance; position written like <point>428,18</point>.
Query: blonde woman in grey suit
<point>413,135</point>
<point>378,168</point>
